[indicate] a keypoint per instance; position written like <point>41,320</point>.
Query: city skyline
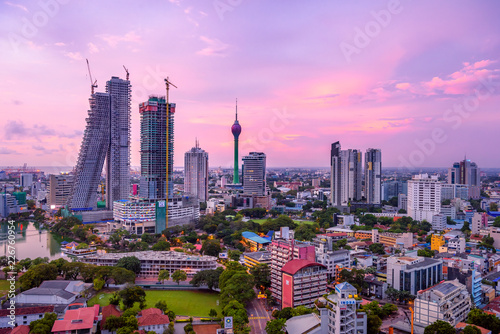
<point>303,81</point>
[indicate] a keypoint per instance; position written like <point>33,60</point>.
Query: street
<point>258,316</point>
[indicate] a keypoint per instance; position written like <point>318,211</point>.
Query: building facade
<point>424,197</point>
<point>467,173</point>
<point>373,174</point>
<point>137,217</point>
<point>303,282</point>
<point>196,173</point>
<point>344,316</point>
<point>413,274</point>
<point>8,205</point>
<point>439,222</point>
<point>335,181</point>
<point>333,260</point>
<point>60,189</point>
<point>254,174</point>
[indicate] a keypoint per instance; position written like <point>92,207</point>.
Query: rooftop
<point>254,237</point>
<point>292,267</point>
<point>426,262</point>
<point>29,310</point>
<point>151,317</point>
<point>258,256</point>
<point>82,318</point>
<point>302,323</point>
<point>152,255</point>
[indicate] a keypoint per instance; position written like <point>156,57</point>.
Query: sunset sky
<point>418,79</point>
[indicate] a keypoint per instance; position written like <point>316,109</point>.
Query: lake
<point>31,242</point>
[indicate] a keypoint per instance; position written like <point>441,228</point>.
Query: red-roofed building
<point>23,329</point>
<point>462,325</point>
<point>79,321</point>
<point>24,315</point>
<point>106,312</point>
<point>493,306</point>
<point>303,282</point>
<point>153,319</point>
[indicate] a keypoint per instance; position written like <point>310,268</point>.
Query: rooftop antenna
<point>126,70</point>
<point>93,84</point>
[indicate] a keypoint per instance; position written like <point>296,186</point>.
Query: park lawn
<point>182,302</point>
<point>4,287</point>
<point>308,222</point>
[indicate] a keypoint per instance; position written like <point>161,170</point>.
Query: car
<point>158,282</point>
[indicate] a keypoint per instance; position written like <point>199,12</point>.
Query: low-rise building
<point>57,292</point>
<point>303,282</point>
<point>343,311</point>
<point>255,258</point>
<point>325,255</point>
<point>439,222</point>
<point>152,319</point>
<point>80,321</point>
<point>253,241</point>
<point>437,241</point>
<point>413,274</point>
<point>24,315</point>
<point>456,245</point>
<point>388,239</point>
<point>152,262</point>
<point>302,324</point>
<point>448,301</point>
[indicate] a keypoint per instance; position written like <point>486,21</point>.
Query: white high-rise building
<point>346,175</point>
<point>373,175</point>
<point>196,173</point>
<point>254,174</point>
<point>424,197</point>
<point>26,180</point>
<point>344,315</point>
<point>60,187</point>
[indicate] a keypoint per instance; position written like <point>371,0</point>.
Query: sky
<point>419,80</point>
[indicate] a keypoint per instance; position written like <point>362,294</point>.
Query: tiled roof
<point>22,329</point>
<point>29,310</point>
<point>82,318</point>
<point>152,316</point>
<point>107,311</point>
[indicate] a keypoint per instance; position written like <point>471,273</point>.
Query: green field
<point>190,303</point>
<point>4,286</point>
<point>261,221</point>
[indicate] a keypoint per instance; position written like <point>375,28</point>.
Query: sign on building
<point>228,322</point>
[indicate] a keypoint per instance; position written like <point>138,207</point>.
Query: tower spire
<point>236,108</point>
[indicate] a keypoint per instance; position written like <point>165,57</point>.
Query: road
<point>258,316</point>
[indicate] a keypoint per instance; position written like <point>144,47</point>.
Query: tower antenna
<point>167,85</point>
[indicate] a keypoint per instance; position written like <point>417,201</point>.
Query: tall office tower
<point>196,173</point>
<point>26,180</point>
<point>468,173</point>
<point>60,187</point>
<point>373,174</point>
<point>335,182</point>
<point>424,197</point>
<point>350,176</point>
<point>236,130</point>
<point>118,157</point>
<point>154,149</point>
<point>254,174</point>
<point>93,151</point>
<point>106,137</point>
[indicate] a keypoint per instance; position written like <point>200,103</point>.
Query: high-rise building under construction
<point>154,149</point>
<point>106,137</point>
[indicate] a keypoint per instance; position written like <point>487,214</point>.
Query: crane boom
<point>93,84</point>
<point>126,70</point>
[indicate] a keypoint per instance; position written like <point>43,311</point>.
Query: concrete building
<point>343,314</point>
<point>448,301</point>
<point>438,222</point>
<point>24,315</point>
<point>57,292</point>
<point>79,321</point>
<point>373,173</point>
<point>456,245</point>
<point>424,197</point>
<point>307,323</point>
<point>413,274</point>
<point>283,251</point>
<point>451,191</point>
<point>449,211</point>
<point>403,202</point>
<point>495,234</point>
<point>393,188</point>
<point>472,279</point>
<point>152,262</point>
<point>303,282</point>
<point>152,320</point>
<point>137,217</point>
<point>26,180</point>
<point>254,174</point>
<point>8,205</point>
<point>154,147</point>
<point>437,241</point>
<point>253,241</point>
<point>196,173</point>
<point>478,222</point>
<point>351,175</point>
<point>466,172</point>
<point>333,260</point>
<point>60,189</point>
<point>389,239</point>
<point>255,258</point>
<point>335,180</point>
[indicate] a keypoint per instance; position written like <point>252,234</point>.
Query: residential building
<point>283,251</point>
<point>26,180</point>
<point>437,241</point>
<point>302,324</point>
<point>449,211</point>
<point>196,173</point>
<point>333,260</point>
<point>390,239</point>
<point>24,315</point>
<point>350,175</point>
<point>466,172</point>
<point>403,202</point>
<point>58,292</point>
<point>8,205</point>
<point>60,189</point>
<point>152,262</point>
<point>495,234</point>
<point>448,301</point>
<point>79,321</point>
<point>413,274</point>
<point>456,245</point>
<point>255,258</point>
<point>303,282</point>
<point>106,312</point>
<point>438,222</point>
<point>344,316</point>
<point>254,174</point>
<point>478,222</point>
<point>373,173</point>
<point>335,180</point>
<point>424,197</point>
<point>471,278</point>
<point>152,320</point>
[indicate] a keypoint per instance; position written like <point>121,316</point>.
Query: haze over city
<point>370,74</point>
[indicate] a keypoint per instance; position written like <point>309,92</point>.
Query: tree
<point>479,318</point>
<point>212,313</point>
<point>425,252</point>
<point>147,238</point>
<point>210,278</point>
<point>368,220</point>
<point>37,274</point>
<point>305,232</point>
<point>131,295</point>
<point>210,247</point>
<point>237,310</point>
<point>377,248</point>
<point>161,245</point>
<point>488,240</point>
<point>112,323</point>
<point>496,222</point>
<point>44,325</point>
<point>493,206</point>
<point>162,305</point>
<point>234,254</point>
<point>179,275</point>
<point>98,284</point>
<point>114,299</point>
<point>82,246</point>
<point>170,329</point>
<point>130,263</point>
<point>122,275</point>
<point>373,323</point>
<point>171,316</point>
<point>470,329</point>
<point>261,274</point>
<point>276,326</point>
<point>163,275</point>
<point>238,286</point>
<point>441,327</point>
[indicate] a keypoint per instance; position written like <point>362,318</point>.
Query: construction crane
<point>126,70</point>
<point>93,84</point>
<point>167,84</point>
